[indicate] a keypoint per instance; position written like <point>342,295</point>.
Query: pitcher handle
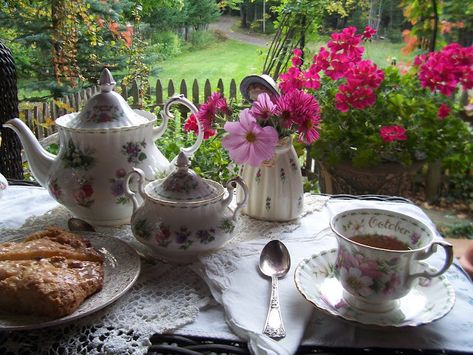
<point>432,249</point>
<point>181,99</point>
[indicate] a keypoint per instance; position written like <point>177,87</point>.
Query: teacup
<point>378,256</point>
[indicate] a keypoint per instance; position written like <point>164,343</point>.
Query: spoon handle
<point>274,327</point>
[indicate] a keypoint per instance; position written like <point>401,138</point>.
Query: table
<point>207,322</point>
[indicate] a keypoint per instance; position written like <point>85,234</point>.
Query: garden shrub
<point>165,44</point>
<point>200,39</point>
<point>220,35</point>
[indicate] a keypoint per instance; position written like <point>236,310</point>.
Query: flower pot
<point>275,188</point>
<point>386,179</point>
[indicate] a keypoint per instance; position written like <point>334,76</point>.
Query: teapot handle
<point>166,113</point>
<point>231,185</point>
<point>131,194</point>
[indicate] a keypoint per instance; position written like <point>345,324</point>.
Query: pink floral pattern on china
<point>365,277</point>
<point>104,113</point>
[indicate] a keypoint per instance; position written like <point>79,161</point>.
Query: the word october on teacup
<point>378,256</point>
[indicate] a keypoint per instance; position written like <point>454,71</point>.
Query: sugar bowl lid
<point>184,185</point>
<point>107,109</point>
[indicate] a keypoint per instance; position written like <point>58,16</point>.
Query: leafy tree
<point>66,38</point>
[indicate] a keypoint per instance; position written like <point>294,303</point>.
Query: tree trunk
<point>244,15</point>
<point>374,18</point>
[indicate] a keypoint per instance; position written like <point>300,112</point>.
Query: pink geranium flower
<point>393,133</point>
<point>368,33</point>
<point>443,71</point>
<point>191,126</point>
<point>247,142</point>
<point>444,111</point>
<point>296,59</point>
<point>292,80</point>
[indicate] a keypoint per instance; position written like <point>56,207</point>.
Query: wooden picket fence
<point>40,117</point>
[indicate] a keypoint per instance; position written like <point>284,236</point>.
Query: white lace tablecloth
<point>165,297</point>
<point>188,299</point>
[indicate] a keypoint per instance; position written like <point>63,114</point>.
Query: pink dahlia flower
<point>247,142</point>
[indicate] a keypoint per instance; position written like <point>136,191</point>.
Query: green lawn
<point>226,60</point>
<point>234,60</point>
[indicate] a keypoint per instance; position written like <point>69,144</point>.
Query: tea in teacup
<point>378,256</point>
<point>381,241</point>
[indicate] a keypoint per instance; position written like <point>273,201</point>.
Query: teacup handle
<point>166,113</point>
<point>433,248</point>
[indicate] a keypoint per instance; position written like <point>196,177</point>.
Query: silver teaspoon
<point>274,262</point>
<point>79,225</point>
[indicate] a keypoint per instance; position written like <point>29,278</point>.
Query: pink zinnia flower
<point>308,133</point>
<point>393,133</point>
<point>249,143</point>
<point>444,111</point>
<point>263,108</point>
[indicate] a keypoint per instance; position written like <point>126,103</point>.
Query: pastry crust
<point>48,243</point>
<point>50,273</point>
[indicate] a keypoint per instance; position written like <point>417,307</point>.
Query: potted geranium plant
<point>387,120</point>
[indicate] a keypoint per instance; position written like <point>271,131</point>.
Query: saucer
<point>427,301</point>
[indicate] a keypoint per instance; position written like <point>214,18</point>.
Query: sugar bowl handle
<point>141,179</point>
<point>231,185</point>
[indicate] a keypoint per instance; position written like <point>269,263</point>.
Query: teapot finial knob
<point>182,162</point>
<point>106,82</point>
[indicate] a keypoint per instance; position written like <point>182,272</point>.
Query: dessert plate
<point>121,269</point>
<point>426,302</point>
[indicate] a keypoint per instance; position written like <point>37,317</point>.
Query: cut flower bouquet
<point>252,134</point>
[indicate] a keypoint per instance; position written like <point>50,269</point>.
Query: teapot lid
<point>184,185</point>
<point>106,109</point>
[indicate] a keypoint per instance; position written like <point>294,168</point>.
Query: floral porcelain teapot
<point>183,215</point>
<point>98,146</point>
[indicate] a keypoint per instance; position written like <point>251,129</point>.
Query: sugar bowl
<point>183,215</point>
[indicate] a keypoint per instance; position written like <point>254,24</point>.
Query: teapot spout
<point>39,160</point>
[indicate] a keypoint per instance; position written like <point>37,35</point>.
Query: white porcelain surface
<point>427,301</point>
<point>121,269</point>
<point>275,188</point>
<point>98,147</point>
<point>3,184</point>
<point>183,216</point>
